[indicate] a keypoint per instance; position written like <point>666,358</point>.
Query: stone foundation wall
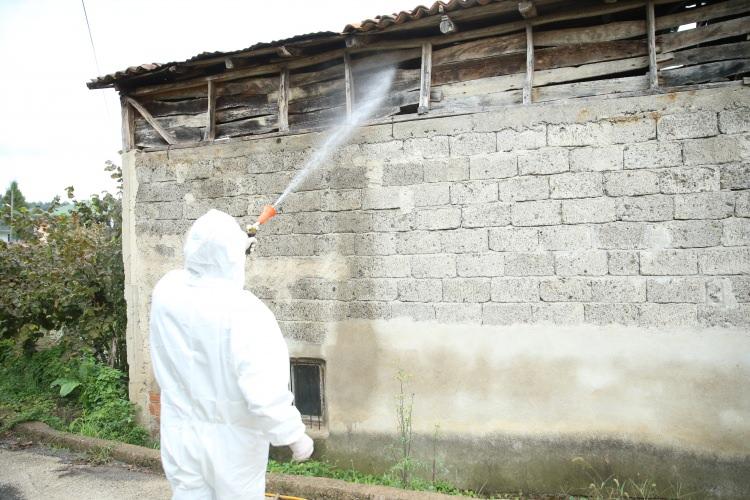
<point>559,280</point>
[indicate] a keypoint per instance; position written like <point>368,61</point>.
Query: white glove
<point>302,448</point>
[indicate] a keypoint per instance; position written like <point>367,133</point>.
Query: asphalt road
<point>34,472</point>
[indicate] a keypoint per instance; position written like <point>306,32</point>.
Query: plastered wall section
<point>575,270</point>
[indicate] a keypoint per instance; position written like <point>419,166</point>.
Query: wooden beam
<point>527,9</point>
<point>152,121</point>
<point>211,112</point>
<point>653,69</point>
<point>284,100</point>
<point>529,84</point>
<point>425,80</point>
<point>348,84</point>
<point>702,34</point>
<point>128,125</point>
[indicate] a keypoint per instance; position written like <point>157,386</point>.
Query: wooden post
<point>425,79</point>
<point>211,112</point>
<point>653,75</point>
<point>348,84</point>
<point>128,125</point>
<point>152,121</point>
<point>284,100</point>
<point>529,84</point>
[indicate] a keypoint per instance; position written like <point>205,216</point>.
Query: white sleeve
<point>260,360</point>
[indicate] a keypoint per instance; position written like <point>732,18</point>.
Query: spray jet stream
<point>372,97</point>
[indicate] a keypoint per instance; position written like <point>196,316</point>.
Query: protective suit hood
<point>215,251</point>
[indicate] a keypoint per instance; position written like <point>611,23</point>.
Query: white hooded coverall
<point>223,369</point>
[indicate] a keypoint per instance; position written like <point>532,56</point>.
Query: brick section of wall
<point>154,405</point>
<point>637,218</point>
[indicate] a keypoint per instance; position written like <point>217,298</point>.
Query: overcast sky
<point>54,132</point>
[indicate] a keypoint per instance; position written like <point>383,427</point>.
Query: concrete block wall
<point>629,213</point>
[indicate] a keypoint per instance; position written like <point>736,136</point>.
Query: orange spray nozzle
<point>268,212</point>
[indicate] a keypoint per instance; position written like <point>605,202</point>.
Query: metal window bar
<point>306,379</point>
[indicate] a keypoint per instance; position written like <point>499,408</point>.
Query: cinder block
<point>336,200</point>
<point>438,218</point>
<point>558,313</point>
<point>390,149</point>
<point>304,331</point>
<point>579,134</point>
<point>608,314</point>
<point>159,210</point>
<point>669,263</point>
<point>709,315</point>
<point>565,238</point>
<point>724,261</point>
<point>668,315</point>
<point>413,310</point>
<point>653,154</point>
<point>429,195</point>
<point>565,290</point>
<point>369,310</point>
<point>529,264</point>
<point>629,129</point>
<point>510,289</point>
<point>510,139</point>
<point>688,125</point>
<point>528,187</point>
<point>159,191</point>
<point>689,180</point>
<point>375,244</point>
<point>427,147</point>
<point>596,159</point>
<point>655,207</point>
<point>318,289</point>
<point>432,126</point>
<point>493,166</point>
<point>433,266</point>
<point>310,310</point>
<point>734,121</point>
<point>506,314</point>
<point>344,178</point>
<point>305,201</point>
<point>382,197</point>
<point>458,313</point>
<point>665,290</point>
<point>631,183</point>
<point>742,205</point>
<point>480,264</point>
<point>514,239</point>
<point>336,244</point>
<point>465,240</point>
<point>718,205</point>
<point>576,185</point>
<point>543,161</point>
<point>694,233</point>
<point>589,210</point>
<point>393,220</point>
<point>402,174</point>
<point>299,245</point>
<point>273,183</point>
<point>593,263</point>
<point>203,169</point>
<point>622,263</point>
<point>472,144</point>
<point>621,235</point>
<point>466,193</point>
<point>536,213</point>
<point>373,266</point>
<point>713,150</point>
<point>736,176</point>
<point>619,289</point>
<point>489,214</point>
<point>741,288</point>
<point>372,289</point>
<point>446,170</point>
<point>466,290</point>
<point>736,232</point>
<point>311,223</point>
<point>419,242</point>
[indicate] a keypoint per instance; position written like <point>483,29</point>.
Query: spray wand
<point>269,211</point>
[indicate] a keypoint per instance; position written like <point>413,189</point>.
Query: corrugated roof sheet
<point>368,25</point>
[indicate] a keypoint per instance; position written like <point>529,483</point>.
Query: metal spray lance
<point>269,211</point>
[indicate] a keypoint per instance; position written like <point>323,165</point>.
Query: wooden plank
<point>283,100</point>
<point>297,79</point>
<point>144,132</point>
<point>211,112</point>
<point>151,121</point>
<point>703,73</point>
<point>389,58</point>
<point>348,84</point>
<point>702,34</point>
<point>318,102</point>
<point>586,89</point>
<point>255,86</point>
<point>425,80</point>
<point>317,119</point>
<point>233,114</point>
<point>257,125</point>
<point>705,13</point>
<point>711,53</point>
<point>128,125</point>
<point>651,29</point>
<point>479,49</point>
<point>589,34</point>
<point>529,83</point>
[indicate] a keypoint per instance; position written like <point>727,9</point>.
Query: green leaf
<point>66,385</point>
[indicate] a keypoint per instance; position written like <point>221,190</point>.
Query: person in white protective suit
<point>223,369</point>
